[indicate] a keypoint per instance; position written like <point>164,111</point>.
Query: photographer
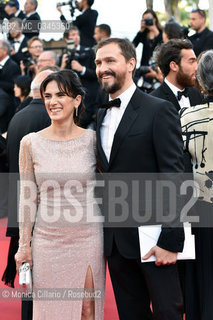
<point>171,30</point>
<point>85,22</point>
<point>81,60</point>
<point>150,35</point>
<point>17,40</point>
<point>29,64</point>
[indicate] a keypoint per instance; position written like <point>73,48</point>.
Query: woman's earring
<point>76,112</point>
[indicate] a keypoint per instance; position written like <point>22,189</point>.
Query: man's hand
<point>76,66</point>
<point>64,61</point>
<point>59,9</point>
<point>163,257</point>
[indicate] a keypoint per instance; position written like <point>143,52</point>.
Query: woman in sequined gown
<point>65,249</point>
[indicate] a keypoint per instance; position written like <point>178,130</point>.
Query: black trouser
<point>27,310</point>
<point>137,284</point>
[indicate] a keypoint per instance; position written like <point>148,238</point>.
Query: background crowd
<point>168,70</point>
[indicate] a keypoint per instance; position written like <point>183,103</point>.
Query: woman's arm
<point>27,204</point>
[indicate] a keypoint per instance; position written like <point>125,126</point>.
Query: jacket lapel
<point>127,120</point>
<point>170,95</point>
<point>103,159</point>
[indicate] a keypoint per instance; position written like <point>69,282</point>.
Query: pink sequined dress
<point>68,234</point>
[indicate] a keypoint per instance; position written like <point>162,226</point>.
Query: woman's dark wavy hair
<point>69,83</point>
<point>173,30</point>
<point>153,13</point>
<point>23,82</point>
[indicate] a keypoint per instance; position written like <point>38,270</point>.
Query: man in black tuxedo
<point>32,19</point>
<point>9,70</point>
<point>143,135</point>
<point>18,40</point>
<point>178,64</point>
<point>12,10</point>
<point>85,22</point>
<point>203,38</point>
<point>31,119</point>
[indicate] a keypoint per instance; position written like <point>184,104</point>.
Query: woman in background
<point>22,90</point>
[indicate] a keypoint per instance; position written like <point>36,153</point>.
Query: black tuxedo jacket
<point>7,75</point>
<point>32,25</point>
<point>18,56</point>
<point>148,140</point>
<point>164,92</point>
<point>21,15</point>
<point>30,119</point>
<point>195,97</point>
<point>202,41</point>
<point>7,110</point>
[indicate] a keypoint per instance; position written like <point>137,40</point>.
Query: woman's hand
<point>23,255</point>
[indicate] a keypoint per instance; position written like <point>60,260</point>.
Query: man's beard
<point>184,79</point>
<point>117,85</point>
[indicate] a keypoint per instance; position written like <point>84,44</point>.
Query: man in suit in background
<point>12,10</point>
<point>102,32</point>
<point>85,22</point>
<point>18,40</point>
<point>31,119</point>
<point>203,38</point>
<point>178,63</point>
<point>143,135</point>
<point>32,20</point>
<point>9,70</point>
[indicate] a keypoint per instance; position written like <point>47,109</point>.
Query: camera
<point>149,22</point>
<point>145,69</point>
<point>70,51</point>
<point>61,4</point>
<point>28,62</point>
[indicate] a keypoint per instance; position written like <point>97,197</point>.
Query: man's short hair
<point>71,28</point>
<point>35,3</point>
<point>29,43</point>
<point>90,2</point>
<point>105,28</point>
<point>126,46</point>
<point>12,3</point>
<point>201,12</point>
<point>4,44</point>
<point>171,51</point>
<point>17,21</point>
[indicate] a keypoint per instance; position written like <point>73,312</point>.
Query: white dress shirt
<point>112,119</point>
<point>184,102</point>
<point>2,62</point>
<point>17,44</point>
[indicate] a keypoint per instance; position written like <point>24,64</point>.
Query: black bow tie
<point>182,93</point>
<point>113,103</point>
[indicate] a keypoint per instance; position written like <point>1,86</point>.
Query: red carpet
<point>11,310</point>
